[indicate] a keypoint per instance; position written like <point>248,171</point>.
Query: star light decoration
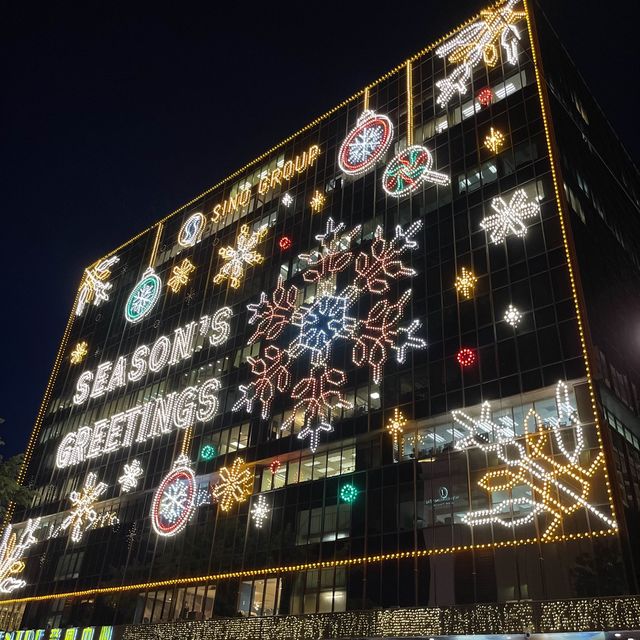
<point>555,485</point>
<point>79,352</point>
<point>94,288</point>
<point>180,275</point>
<point>512,316</point>
<point>465,283</point>
<point>476,43</point>
<point>12,552</point>
<point>260,511</point>
<point>494,140</point>
<point>395,426</point>
<point>244,253</point>
<point>83,515</point>
<point>315,327</point>
<point>287,199</point>
<point>317,201</point>
<point>131,473</point>
<point>509,218</point>
<point>234,486</point>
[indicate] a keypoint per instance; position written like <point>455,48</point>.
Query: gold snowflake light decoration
<point>180,275</point>
<point>317,202</point>
<point>494,140</point>
<point>79,352</point>
<point>235,485</point>
<point>395,426</point>
<point>465,283</point>
<point>242,254</point>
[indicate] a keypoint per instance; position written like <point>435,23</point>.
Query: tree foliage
<point>10,490</point>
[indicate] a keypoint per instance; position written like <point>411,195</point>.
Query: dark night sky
<point>114,114</point>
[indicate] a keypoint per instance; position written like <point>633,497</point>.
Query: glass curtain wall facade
<point>357,373</point>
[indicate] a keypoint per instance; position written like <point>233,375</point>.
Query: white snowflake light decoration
<point>260,511</point>
<point>287,200</point>
<point>324,321</point>
<point>12,552</point>
<point>509,218</point>
<point>478,42</point>
<point>175,499</point>
<point>558,488</point>
<point>512,316</point>
<point>131,473</point>
<point>83,514</point>
<point>242,255</point>
<point>95,288</point>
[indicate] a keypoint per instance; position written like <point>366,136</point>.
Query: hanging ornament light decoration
<point>145,294</point>
<point>412,166</point>
<point>175,499</point>
<point>365,144</point>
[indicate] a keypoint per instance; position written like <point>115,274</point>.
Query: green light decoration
<point>208,452</point>
<point>143,297</point>
<point>348,493</point>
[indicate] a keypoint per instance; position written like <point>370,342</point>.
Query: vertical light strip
<point>565,240</point>
<point>409,103</point>
<point>156,244</point>
<point>366,98</point>
<point>186,441</point>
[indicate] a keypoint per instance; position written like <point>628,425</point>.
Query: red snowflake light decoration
<point>275,466</point>
<point>466,357</point>
<point>273,315</point>
<point>485,96</point>
<point>285,243</point>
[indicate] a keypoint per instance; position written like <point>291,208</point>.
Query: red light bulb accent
<point>274,466</point>
<point>285,243</point>
<point>466,357</point>
<point>485,96</point>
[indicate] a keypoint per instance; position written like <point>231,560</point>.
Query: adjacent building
<point>386,372</point>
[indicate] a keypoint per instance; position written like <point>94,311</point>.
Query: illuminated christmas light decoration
<point>326,319</point>
<point>271,374</point>
<point>408,170</point>
<point>466,282</point>
<point>478,42</point>
<point>12,552</point>
<point>79,352</point>
<point>166,350</point>
<point>150,420</point>
<point>377,334</point>
<point>192,229</point>
<point>466,357</point>
<point>395,427</point>
<point>272,315</point>
<point>485,96</point>
<point>317,201</point>
<point>558,489</point>
<point>242,254</point>
<point>83,514</point>
<point>285,243</point>
<point>234,486</point>
<point>509,218</point>
<point>180,275</point>
<point>175,499</point>
<point>320,324</point>
<point>143,297</point>
<point>94,288</point>
<point>512,316</point>
<point>348,493</point>
<point>274,467</point>
<point>365,144</point>
<point>317,396</point>
<point>260,511</point>
<point>131,473</point>
<point>287,200</point>
<point>494,140</point>
<point>208,452</point>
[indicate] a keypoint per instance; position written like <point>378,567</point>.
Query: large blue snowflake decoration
<point>330,317</point>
